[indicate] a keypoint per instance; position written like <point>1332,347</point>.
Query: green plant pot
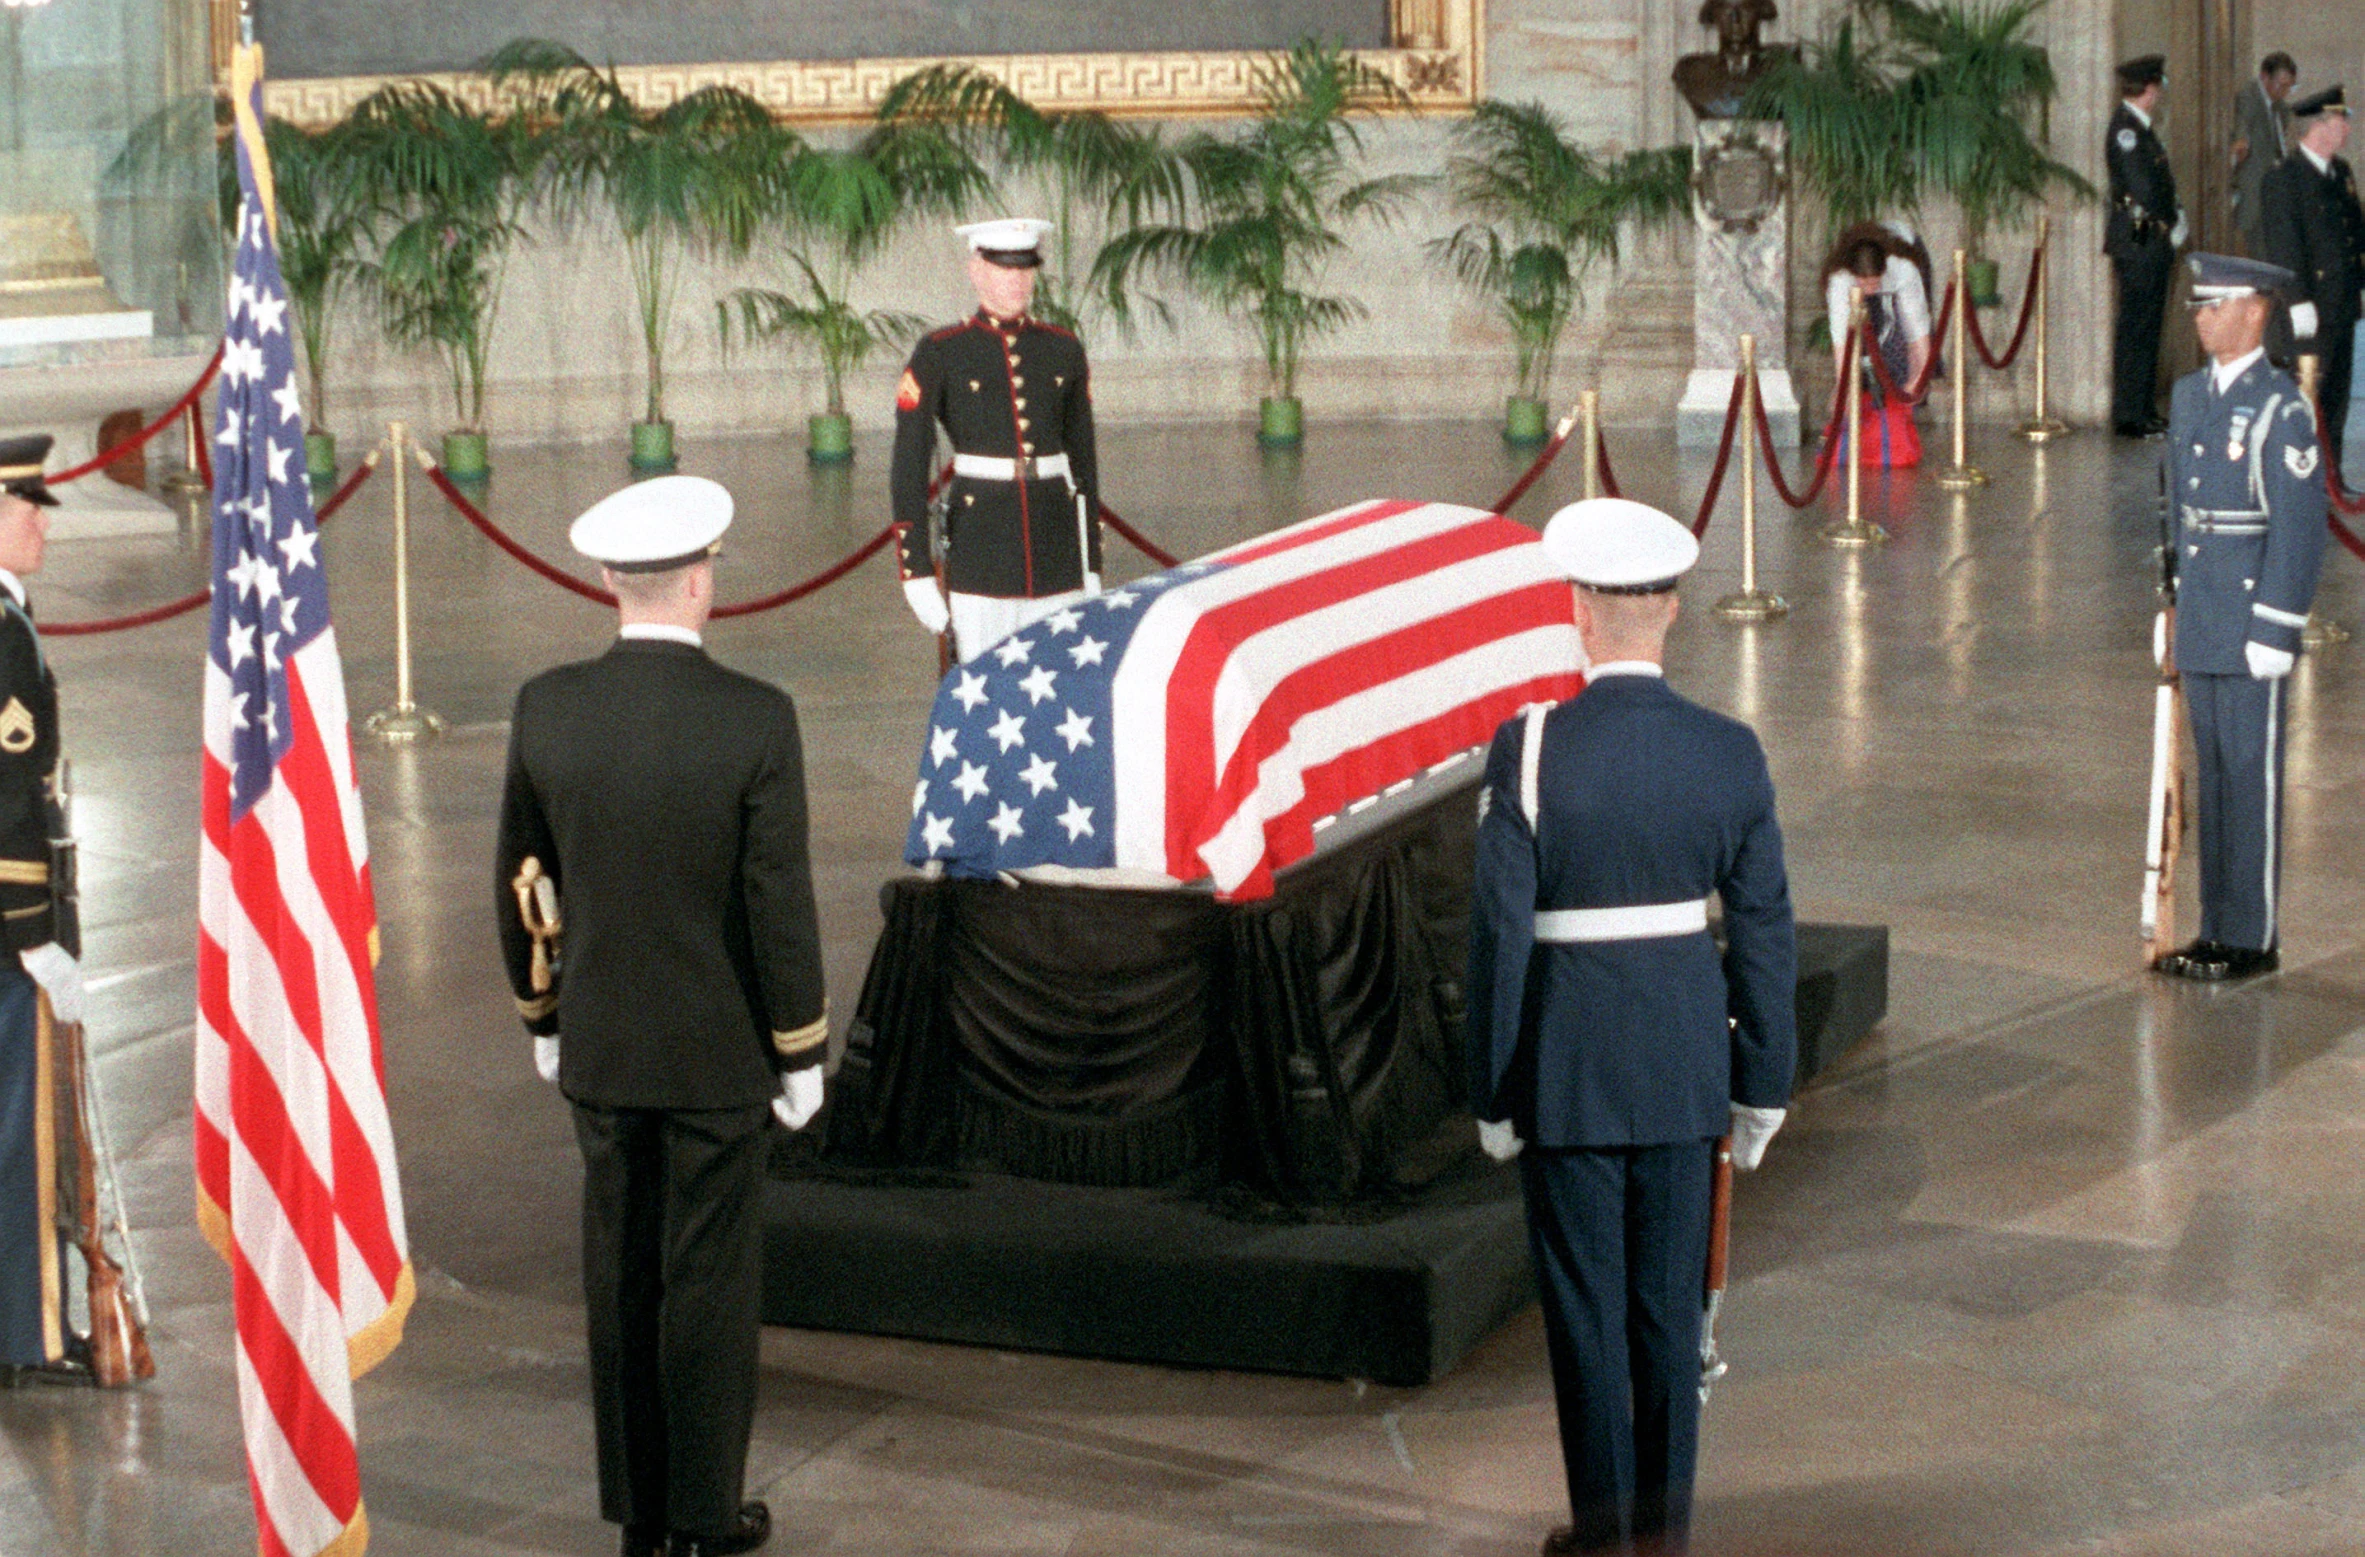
<point>467,456</point>
<point>1280,422</point>
<point>1526,423</point>
<point>829,438</point>
<point>1985,277</point>
<point>320,457</point>
<point>652,449</point>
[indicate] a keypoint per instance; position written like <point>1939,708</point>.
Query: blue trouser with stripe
<point>31,1257</point>
<point>2238,725</point>
<point>1620,1237</point>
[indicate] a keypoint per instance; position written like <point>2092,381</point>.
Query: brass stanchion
<point>406,721</point>
<point>2320,632</point>
<point>1962,475</point>
<point>1752,604</point>
<point>2043,427</point>
<point>1589,410</point>
<point>186,480</point>
<point>1853,531</point>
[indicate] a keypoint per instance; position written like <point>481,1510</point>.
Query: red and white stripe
<point>296,1176</point>
<point>1320,664</point>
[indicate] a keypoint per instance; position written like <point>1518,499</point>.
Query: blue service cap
<point>2218,276</point>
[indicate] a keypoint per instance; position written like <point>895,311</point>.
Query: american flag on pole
<point>1198,723</point>
<point>296,1182</point>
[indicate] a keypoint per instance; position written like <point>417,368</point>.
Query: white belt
<point>1639,923</point>
<point>984,467</point>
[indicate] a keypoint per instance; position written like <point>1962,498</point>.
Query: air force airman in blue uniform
<point>1607,1036</point>
<point>2244,539</point>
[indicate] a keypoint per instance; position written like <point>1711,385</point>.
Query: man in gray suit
<point>2262,138</point>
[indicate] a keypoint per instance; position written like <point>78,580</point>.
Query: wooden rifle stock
<point>2164,824</point>
<point>119,1352</point>
<point>1720,1238</point>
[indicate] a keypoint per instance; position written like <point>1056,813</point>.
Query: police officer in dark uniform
<point>656,908</point>
<point>2141,235</point>
<point>2244,532</point>
<point>1608,1044</point>
<point>1020,533</point>
<point>35,1333</point>
<point>2316,230</point>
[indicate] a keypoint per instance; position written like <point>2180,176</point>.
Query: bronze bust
<point>1715,84</point>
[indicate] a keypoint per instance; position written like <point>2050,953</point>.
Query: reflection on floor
<point>2063,1260</point>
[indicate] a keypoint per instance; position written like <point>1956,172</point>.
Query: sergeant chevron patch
<point>16,728</point>
<point>907,393</point>
<point>2300,462</point>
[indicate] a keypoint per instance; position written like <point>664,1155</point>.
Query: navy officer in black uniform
<point>2315,229</point>
<point>1609,1045</point>
<point>2244,535</point>
<point>656,909</point>
<point>2141,234</point>
<point>35,1332</point>
<point>1020,532</point>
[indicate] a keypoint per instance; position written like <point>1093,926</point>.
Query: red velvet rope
<point>1535,470</point>
<point>567,581</point>
<point>107,457</point>
<point>2343,500</point>
<point>1141,542</point>
<point>1825,462</point>
<point>1724,457</point>
<point>1609,477</point>
<point>2028,311</point>
<point>196,598</point>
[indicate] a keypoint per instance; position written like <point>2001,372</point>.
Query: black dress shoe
<point>2242,962</point>
<point>2201,960</point>
<point>640,1542</point>
<point>753,1530</point>
<point>2149,427</point>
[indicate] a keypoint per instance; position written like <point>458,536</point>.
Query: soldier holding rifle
<point>47,1157</point>
<point>1609,1045</point>
<point>2244,539</point>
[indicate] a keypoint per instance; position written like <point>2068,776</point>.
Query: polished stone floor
<point>2063,1260</point>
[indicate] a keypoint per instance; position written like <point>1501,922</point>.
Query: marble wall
<point>567,366</point>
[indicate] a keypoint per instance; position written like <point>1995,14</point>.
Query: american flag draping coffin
<point>1197,723</point>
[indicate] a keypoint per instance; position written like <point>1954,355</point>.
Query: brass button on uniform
<point>1021,402</point>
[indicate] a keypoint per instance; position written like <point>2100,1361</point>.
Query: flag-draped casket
<point>1198,723</point>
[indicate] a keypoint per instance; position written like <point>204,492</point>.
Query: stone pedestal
<point>1741,209</point>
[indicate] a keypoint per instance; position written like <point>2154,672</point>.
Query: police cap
<point>1012,242</point>
<point>2142,71</point>
<point>655,526</point>
<point>2334,99</point>
<point>1617,547</point>
<point>21,460</point>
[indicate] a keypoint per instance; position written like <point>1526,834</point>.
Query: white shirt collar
<point>1622,668</point>
<point>2227,372</point>
<point>2128,103</point>
<point>14,585</point>
<point>661,631</point>
<point>2323,164</point>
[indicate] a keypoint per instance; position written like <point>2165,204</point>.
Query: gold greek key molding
<point>1439,61</point>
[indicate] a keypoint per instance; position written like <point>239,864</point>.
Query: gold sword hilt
<point>537,910</point>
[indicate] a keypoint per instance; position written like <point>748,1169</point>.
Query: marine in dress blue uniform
<point>1609,1042</point>
<point>39,954</point>
<point>2140,234</point>
<point>2244,535</point>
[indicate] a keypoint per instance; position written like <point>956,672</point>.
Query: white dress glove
<point>800,1097</point>
<point>2178,233</point>
<point>2267,664</point>
<point>2159,639</point>
<point>2303,320</point>
<point>927,603</point>
<point>1753,1130</point>
<point>1498,1139</point>
<point>546,1058</point>
<point>59,975</point>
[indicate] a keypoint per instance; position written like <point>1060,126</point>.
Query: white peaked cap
<point>1005,235</point>
<point>656,525</point>
<point>1621,546</point>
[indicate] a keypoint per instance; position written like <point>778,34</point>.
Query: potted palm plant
<point>832,211</point>
<point>1543,212</point>
<point>1974,84</point>
<point>692,176</point>
<point>1838,101</point>
<point>451,187</point>
<point>1093,168</point>
<point>1269,206</point>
